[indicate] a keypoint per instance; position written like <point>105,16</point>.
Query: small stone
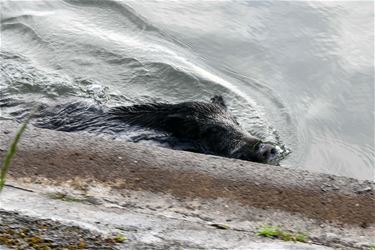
<point>46,239</point>
<point>93,200</point>
<point>364,190</point>
<point>331,236</point>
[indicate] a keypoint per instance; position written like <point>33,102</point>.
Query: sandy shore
<point>335,211</point>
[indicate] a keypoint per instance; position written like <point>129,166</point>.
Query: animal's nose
<point>267,152</point>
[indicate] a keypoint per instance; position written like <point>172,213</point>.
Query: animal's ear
<point>219,100</point>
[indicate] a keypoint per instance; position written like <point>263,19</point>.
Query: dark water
<point>300,74</point>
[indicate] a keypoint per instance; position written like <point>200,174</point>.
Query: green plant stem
<point>12,150</point>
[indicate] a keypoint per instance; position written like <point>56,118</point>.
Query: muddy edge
<point>64,156</point>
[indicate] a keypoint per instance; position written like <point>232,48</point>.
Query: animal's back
<point>188,119</point>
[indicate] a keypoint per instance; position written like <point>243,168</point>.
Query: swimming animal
<point>206,125</point>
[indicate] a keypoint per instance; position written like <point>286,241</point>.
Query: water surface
<point>299,74</point>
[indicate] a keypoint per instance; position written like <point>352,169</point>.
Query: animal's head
<point>252,149</point>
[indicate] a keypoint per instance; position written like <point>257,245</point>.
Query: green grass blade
<point>12,150</point>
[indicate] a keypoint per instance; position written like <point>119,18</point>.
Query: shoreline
<point>59,159</point>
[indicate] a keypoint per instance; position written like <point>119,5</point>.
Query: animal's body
<point>209,126</point>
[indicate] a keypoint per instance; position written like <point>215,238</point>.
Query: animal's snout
<point>266,152</point>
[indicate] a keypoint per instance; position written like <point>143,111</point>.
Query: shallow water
<point>300,74</point>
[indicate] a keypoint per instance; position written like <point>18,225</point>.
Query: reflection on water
<point>300,74</point>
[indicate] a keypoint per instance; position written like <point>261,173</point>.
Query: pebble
<point>364,190</point>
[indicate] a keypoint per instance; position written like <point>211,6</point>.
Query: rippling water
<point>300,74</point>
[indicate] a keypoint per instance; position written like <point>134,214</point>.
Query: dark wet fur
<point>203,127</point>
<point>209,126</point>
